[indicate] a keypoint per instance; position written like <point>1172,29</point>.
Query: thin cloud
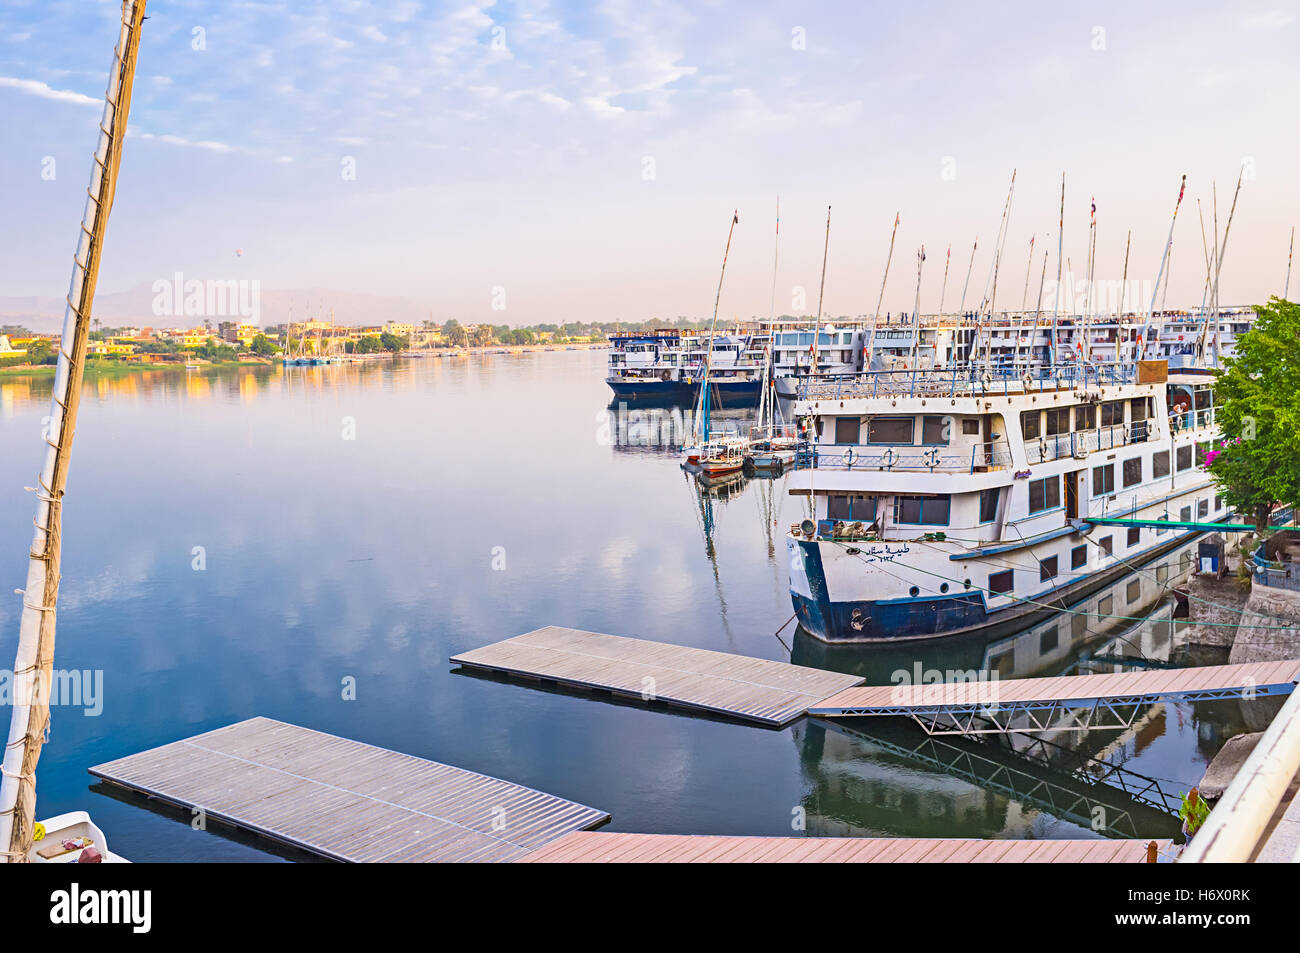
<point>34,87</point>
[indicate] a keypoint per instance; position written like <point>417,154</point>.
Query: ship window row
<point>1001,583</point>
<point>1057,420</point>
<point>935,430</point>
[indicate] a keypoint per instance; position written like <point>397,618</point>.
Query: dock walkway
<point>599,847</point>
<point>755,690</point>
<point>346,800</point>
<point>1039,704</point>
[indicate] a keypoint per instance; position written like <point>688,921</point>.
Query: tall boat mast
<point>766,401</point>
<point>1029,266</point>
<point>943,291</point>
<point>892,236</point>
<point>1286,289</point>
<point>1218,263</point>
<point>1060,239</point>
<point>961,305</point>
<point>991,283</point>
<point>708,345</point>
<point>34,662</point>
<point>1123,286</point>
<point>1164,258</point>
<point>821,292</point>
<point>916,309</point>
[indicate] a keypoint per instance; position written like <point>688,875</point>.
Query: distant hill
<point>134,307</point>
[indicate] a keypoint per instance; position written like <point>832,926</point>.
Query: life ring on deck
<point>932,457</point>
<point>848,457</point>
<point>889,456</point>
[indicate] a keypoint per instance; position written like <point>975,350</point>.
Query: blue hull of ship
<point>724,393</point>
<point>962,613</point>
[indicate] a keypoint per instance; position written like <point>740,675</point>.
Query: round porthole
<point>966,583</point>
<point>914,592</point>
<point>943,587</point>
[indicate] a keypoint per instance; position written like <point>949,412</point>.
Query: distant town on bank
<point>231,340</point>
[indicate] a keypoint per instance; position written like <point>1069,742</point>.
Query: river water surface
<point>252,541</point>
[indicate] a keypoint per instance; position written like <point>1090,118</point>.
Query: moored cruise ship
<point>953,501</point>
<point>667,366</point>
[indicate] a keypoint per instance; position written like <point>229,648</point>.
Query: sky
<point>527,162</point>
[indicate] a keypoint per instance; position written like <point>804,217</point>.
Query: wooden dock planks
<point>1067,689</point>
<point>757,690</point>
<point>346,800</point>
<point>587,847</point>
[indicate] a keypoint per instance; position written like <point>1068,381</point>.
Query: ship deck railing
<point>963,382</point>
<point>1082,443</point>
<point>979,457</point>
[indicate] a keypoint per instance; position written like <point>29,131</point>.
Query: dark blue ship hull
<point>724,393</point>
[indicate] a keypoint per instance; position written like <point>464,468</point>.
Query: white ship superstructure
<point>949,501</point>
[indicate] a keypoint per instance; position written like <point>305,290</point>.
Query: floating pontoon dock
<point>345,800</point>
<point>1040,704</point>
<point>586,847</point>
<point>756,690</point>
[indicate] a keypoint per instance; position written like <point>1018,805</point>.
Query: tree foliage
<point>1258,399</point>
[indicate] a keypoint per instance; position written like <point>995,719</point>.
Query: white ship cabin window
<point>1079,556</point>
<point>1105,604</point>
<point>1202,508</point>
<point>1132,472</point>
<point>1047,569</point>
<point>856,507</point>
<point>1138,409</point>
<point>1161,530</point>
<point>989,505</point>
<point>1078,627</point>
<point>1218,503</point>
<point>1105,545</point>
<point>1044,494</point>
<point>1183,457</point>
<point>1134,536</point>
<point>1001,582</point>
<point>848,430</point>
<point>1085,417</point>
<point>1202,452</point>
<point>922,510</point>
<point>936,431</point>
<point>1134,591</point>
<point>890,430</point>
<point>1112,413</point>
<point>1185,515</point>
<point>1031,423</point>
<point>1160,464</point>
<point>970,426</point>
<point>1103,480</point>
<point>1048,641</point>
<point>1162,574</point>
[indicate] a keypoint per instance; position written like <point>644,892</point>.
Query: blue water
<point>479,499</point>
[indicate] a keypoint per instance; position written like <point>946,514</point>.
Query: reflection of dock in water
<point>969,786</point>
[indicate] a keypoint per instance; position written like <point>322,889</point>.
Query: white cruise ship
<point>953,501</point>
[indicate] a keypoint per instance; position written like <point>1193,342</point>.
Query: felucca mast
<point>708,353</point>
<point>767,402</point>
<point>34,662</point>
<point>1165,256</point>
<point>821,292</point>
